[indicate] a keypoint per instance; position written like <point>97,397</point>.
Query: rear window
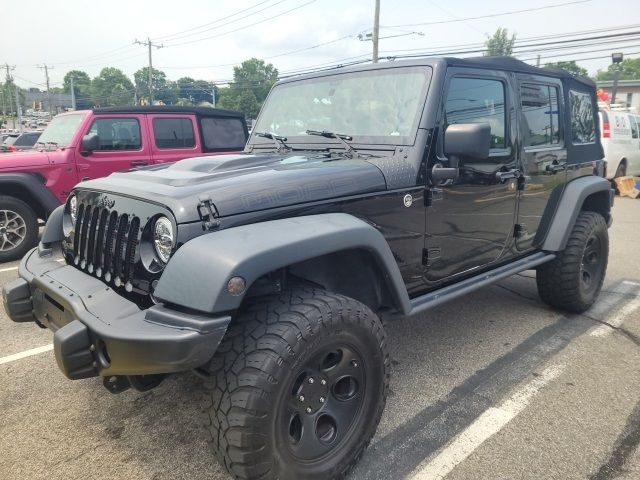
<point>27,139</point>
<point>583,129</point>
<point>174,133</point>
<point>223,133</point>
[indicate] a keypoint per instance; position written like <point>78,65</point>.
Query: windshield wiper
<point>279,141</point>
<point>349,150</point>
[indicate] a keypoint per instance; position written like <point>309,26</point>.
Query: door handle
<point>556,167</point>
<point>139,163</point>
<point>502,176</point>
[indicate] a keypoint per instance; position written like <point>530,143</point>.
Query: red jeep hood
<point>20,160</point>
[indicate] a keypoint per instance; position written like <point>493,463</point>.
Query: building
<point>39,101</point>
<point>627,95</point>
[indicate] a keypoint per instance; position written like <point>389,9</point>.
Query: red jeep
<point>86,144</point>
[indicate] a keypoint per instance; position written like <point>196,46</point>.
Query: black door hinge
<point>429,255</point>
<point>208,214</point>
<point>432,195</point>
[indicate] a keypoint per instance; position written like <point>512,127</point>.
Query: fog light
<point>236,286</point>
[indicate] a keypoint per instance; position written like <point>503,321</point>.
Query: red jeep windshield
<point>61,130</point>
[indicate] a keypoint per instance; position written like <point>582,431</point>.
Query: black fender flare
<point>569,206</point>
<point>35,188</point>
<point>198,273</point>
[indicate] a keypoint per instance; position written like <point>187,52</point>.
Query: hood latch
<point>208,214</point>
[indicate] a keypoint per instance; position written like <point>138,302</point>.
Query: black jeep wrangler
<point>381,190</point>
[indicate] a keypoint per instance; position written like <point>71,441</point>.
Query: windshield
<point>61,129</point>
<point>378,106</point>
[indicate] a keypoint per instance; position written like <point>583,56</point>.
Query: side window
<point>173,133</point>
<point>583,128</point>
<point>117,133</point>
<point>478,100</point>
<point>223,133</point>
<point>540,112</point>
<point>634,126</point>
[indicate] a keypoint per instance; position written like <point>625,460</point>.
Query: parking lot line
<point>8,269</point>
<point>616,320</point>
<point>484,427</point>
<point>26,353</point>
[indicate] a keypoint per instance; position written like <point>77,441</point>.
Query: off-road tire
<point>30,220</point>
<point>260,356</point>
<point>561,282</point>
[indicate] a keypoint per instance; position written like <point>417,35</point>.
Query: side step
<point>442,295</point>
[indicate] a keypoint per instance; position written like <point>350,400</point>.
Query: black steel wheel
<point>573,280</point>
<point>297,387</point>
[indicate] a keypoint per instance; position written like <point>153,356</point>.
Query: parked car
<point>621,142</point>
<point>88,144</point>
<point>384,189</point>
<point>24,141</point>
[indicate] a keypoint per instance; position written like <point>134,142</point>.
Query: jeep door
<point>470,219</point>
<point>123,144</point>
<point>543,152</point>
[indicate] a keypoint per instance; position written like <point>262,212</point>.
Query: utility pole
<point>538,61</point>
<point>213,96</point>
<point>46,74</point>
<point>149,44</point>
<point>376,31</point>
<point>73,94</point>
<point>9,79</point>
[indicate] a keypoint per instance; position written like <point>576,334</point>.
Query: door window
<point>117,133</point>
<point>223,133</point>
<point>173,133</point>
<point>583,128</point>
<point>478,100</point>
<point>540,111</point>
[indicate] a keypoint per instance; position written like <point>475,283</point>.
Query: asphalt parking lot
<point>497,385</point>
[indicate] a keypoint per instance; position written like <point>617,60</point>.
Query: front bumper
<point>100,333</point>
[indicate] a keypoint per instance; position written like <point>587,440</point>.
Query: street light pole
<point>616,58</point>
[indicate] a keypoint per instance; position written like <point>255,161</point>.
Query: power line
<point>492,15</point>
<point>177,36</point>
<point>151,46</point>
<point>242,28</point>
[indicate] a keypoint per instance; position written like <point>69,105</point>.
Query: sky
<point>204,39</point>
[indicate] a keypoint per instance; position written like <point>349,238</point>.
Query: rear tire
<point>621,171</point>
<point>297,387</point>
<point>573,280</point>
<point>18,228</point>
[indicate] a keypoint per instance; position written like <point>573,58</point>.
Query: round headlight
<point>163,238</point>
<point>73,208</point>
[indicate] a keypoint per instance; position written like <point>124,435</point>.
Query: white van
<point>621,142</point>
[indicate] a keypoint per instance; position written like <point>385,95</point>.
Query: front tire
<point>297,386</point>
<point>18,228</point>
<point>573,280</point>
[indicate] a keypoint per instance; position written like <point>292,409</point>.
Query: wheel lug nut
<point>301,398</point>
<point>323,382</point>
<point>308,409</point>
<point>354,363</point>
<point>321,399</point>
<point>311,380</point>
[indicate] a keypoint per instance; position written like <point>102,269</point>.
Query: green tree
<point>158,82</point>
<point>629,70</point>
<point>252,81</point>
<point>81,86</point>
<point>572,67</point>
<point>500,44</point>
<point>192,91</point>
<point>111,87</point>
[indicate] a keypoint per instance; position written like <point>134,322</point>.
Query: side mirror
<point>90,143</point>
<point>471,140</point>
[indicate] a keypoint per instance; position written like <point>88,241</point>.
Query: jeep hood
<point>244,182</point>
<point>19,160</point>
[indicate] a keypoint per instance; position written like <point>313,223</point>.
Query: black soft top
<point>514,65</point>
<point>201,111</point>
